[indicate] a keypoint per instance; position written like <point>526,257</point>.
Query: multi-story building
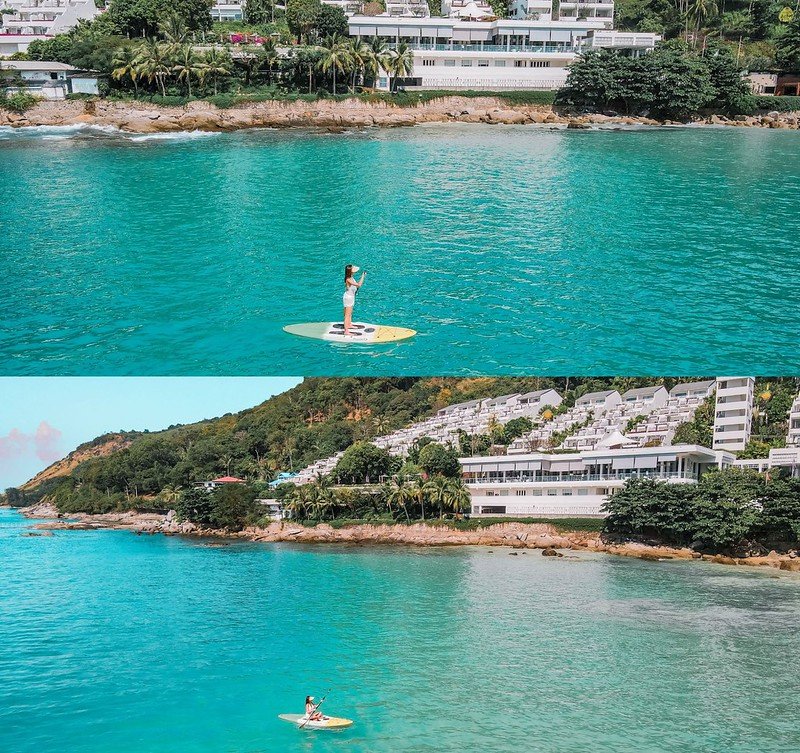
<point>733,414</point>
<point>539,484</point>
<point>40,19</point>
<point>493,54</point>
<point>227,10</point>
<point>793,435</point>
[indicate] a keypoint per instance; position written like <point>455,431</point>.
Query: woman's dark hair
<point>348,273</point>
<point>308,699</point>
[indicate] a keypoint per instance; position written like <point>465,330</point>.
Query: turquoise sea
<point>116,642</point>
<point>510,249</point>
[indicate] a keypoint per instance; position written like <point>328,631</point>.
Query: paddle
<point>315,708</point>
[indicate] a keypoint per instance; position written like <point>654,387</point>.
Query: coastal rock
<point>508,117</point>
<point>578,125</point>
<point>551,553</point>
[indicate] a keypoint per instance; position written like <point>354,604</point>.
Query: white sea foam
<point>84,130</point>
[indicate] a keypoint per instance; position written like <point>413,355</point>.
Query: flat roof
<point>644,391</point>
<point>36,65</point>
<point>692,386</point>
<point>595,395</point>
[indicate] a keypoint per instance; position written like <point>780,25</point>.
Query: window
<point>428,61</point>
<point>552,492</point>
<point>466,64</point>
<point>583,492</point>
<point>449,63</point>
<point>54,76</point>
<point>499,63</point>
<point>483,64</point>
<point>495,510</point>
<point>521,492</point>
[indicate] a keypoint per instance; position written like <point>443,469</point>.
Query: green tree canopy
<point>437,460</point>
<point>362,463</point>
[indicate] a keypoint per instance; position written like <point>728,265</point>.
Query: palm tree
<point>377,58</point>
<point>187,65</point>
<point>171,494</point>
<point>154,63</point>
<point>401,62</point>
<point>270,57</point>
<point>398,494</point>
<point>418,494</point>
<point>702,11</point>
<point>174,30</point>
<point>359,53</point>
<point>216,62</point>
<point>125,65</point>
<point>458,498</point>
<point>437,491</point>
<point>334,57</point>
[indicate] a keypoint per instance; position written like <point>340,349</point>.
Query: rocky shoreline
<point>145,118</point>
<point>516,536</point>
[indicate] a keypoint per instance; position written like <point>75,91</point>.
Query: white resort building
<point>733,415</point>
<point>793,436</point>
<point>546,484</point>
<point>47,80</point>
<point>493,54</point>
<point>40,19</point>
<point>573,460</point>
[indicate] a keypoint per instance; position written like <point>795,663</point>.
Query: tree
<point>436,459</point>
<point>269,57</point>
<point>154,63</point>
<point>725,76</point>
<point>331,21</point>
<point>363,463</point>
<point>195,505</point>
<point>259,12</point>
<point>437,490</point>
<point>125,66</point>
<point>142,18</point>
<point>215,63</point>
<point>399,63</point>
<point>334,58</point>
<point>398,495</point>
<point>358,53</point>
<point>787,48</point>
<point>301,17</point>
<point>376,59</point>
<point>232,505</point>
<point>187,66</point>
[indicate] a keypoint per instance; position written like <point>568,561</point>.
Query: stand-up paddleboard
<point>328,722</point>
<point>359,332</point>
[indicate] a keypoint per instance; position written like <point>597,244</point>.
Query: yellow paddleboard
<point>359,332</point>
<point>328,722</point>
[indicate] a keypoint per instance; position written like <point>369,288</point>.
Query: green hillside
<point>314,420</point>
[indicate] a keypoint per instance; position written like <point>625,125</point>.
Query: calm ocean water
<point>510,249</point>
<point>113,642</point>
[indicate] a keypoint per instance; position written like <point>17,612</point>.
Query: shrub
<point>19,103</point>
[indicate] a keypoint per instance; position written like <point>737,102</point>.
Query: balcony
<point>455,47</point>
<point>589,477</point>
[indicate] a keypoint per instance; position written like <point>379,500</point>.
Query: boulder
<point>578,125</point>
<point>550,552</point>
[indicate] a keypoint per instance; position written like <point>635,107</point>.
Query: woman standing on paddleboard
<point>349,298</point>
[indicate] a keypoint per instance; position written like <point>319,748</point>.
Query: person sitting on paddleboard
<point>311,710</point>
<point>349,298</point>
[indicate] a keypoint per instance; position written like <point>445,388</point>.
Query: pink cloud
<point>44,443</point>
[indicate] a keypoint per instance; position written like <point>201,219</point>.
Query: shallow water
<point>116,642</point>
<point>510,249</point>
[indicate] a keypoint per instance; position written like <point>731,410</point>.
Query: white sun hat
<point>355,268</point>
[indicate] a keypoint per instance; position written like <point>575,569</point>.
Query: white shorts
<point>348,300</point>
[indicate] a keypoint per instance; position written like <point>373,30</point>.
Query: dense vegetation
<point>674,82</point>
<point>321,417</point>
<point>764,34</point>
<point>732,510</point>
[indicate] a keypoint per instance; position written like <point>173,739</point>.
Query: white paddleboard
<point>328,722</point>
<point>360,332</point>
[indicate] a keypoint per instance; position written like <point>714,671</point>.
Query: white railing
<point>556,478</point>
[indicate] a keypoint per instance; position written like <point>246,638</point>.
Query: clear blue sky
<point>43,418</point>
